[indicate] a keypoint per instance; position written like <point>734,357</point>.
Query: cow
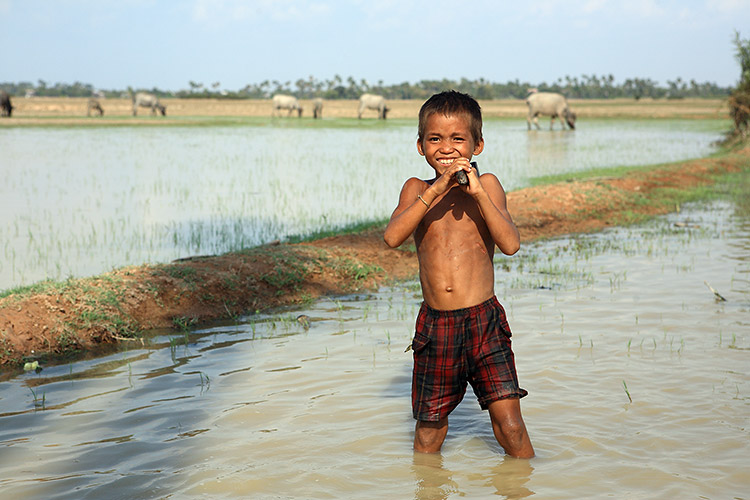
<point>146,100</point>
<point>376,102</point>
<point>317,107</point>
<point>552,105</point>
<point>289,102</point>
<point>6,108</point>
<point>93,105</point>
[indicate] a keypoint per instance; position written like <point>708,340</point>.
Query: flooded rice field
<point>81,201</point>
<point>636,372</point>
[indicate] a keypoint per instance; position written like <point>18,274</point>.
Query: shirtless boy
<point>461,331</point>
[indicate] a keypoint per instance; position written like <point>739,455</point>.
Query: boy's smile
<point>446,139</point>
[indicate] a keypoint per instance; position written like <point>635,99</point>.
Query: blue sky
<point>166,44</point>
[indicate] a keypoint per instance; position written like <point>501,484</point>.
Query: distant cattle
<point>317,107</point>
<point>146,100</point>
<point>288,102</point>
<point>552,105</point>
<point>370,101</point>
<point>94,106</point>
<point>6,108</point>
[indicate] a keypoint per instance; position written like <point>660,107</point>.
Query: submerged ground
<point>52,321</point>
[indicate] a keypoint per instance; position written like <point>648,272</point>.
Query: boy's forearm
<point>403,224</point>
<point>500,224</point>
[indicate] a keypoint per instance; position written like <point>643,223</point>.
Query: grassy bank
<point>54,321</point>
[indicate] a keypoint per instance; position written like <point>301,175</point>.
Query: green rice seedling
<point>205,381</point>
<point>562,322</point>
<point>39,403</point>
<point>173,349</point>
<point>625,386</point>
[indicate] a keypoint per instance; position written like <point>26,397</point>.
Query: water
<point>82,201</point>
<point>265,409</point>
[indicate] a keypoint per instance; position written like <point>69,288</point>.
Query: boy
<point>461,332</point>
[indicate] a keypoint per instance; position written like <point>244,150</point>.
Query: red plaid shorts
<point>452,348</point>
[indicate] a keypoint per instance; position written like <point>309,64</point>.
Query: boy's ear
<point>419,147</point>
<point>479,147</point>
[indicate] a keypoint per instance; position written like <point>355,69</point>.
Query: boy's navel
<point>448,288</point>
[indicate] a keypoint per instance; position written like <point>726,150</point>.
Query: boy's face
<point>447,138</point>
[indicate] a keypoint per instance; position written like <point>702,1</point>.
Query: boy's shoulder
<point>417,183</point>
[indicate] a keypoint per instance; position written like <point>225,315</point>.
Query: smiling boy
<point>461,332</point>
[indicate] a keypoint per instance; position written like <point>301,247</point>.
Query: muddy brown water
<point>637,378</point>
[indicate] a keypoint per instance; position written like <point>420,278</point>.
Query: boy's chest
<point>452,231</point>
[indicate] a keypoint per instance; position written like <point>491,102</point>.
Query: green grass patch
<point>355,228</point>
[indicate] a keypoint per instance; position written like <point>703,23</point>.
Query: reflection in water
<point>548,149</point>
<point>265,408</point>
<point>434,481</point>
<point>509,478</point>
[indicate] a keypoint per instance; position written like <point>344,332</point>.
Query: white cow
<point>281,101</point>
<point>146,100</point>
<point>552,105</point>
<point>317,107</point>
<point>370,101</point>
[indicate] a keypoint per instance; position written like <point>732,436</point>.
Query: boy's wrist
<point>427,197</point>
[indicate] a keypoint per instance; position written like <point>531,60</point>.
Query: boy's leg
<point>509,428</point>
<point>429,436</point>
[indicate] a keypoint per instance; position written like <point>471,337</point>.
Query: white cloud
<point>594,6</point>
<point>220,12</point>
<point>728,6</point>
<point>644,8</point>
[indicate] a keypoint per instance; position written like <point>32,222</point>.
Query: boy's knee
<point>429,436</point>
<point>512,429</point>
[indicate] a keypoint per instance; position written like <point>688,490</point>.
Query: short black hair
<point>452,102</point>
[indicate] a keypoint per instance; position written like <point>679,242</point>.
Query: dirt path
<point>59,320</point>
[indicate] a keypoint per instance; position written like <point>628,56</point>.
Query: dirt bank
<point>53,321</point>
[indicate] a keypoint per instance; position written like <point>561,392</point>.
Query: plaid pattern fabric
<point>452,348</point>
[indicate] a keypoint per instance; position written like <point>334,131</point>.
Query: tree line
<point>583,87</point>
<point>739,100</point>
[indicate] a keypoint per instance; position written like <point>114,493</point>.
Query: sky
<point>168,43</point>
